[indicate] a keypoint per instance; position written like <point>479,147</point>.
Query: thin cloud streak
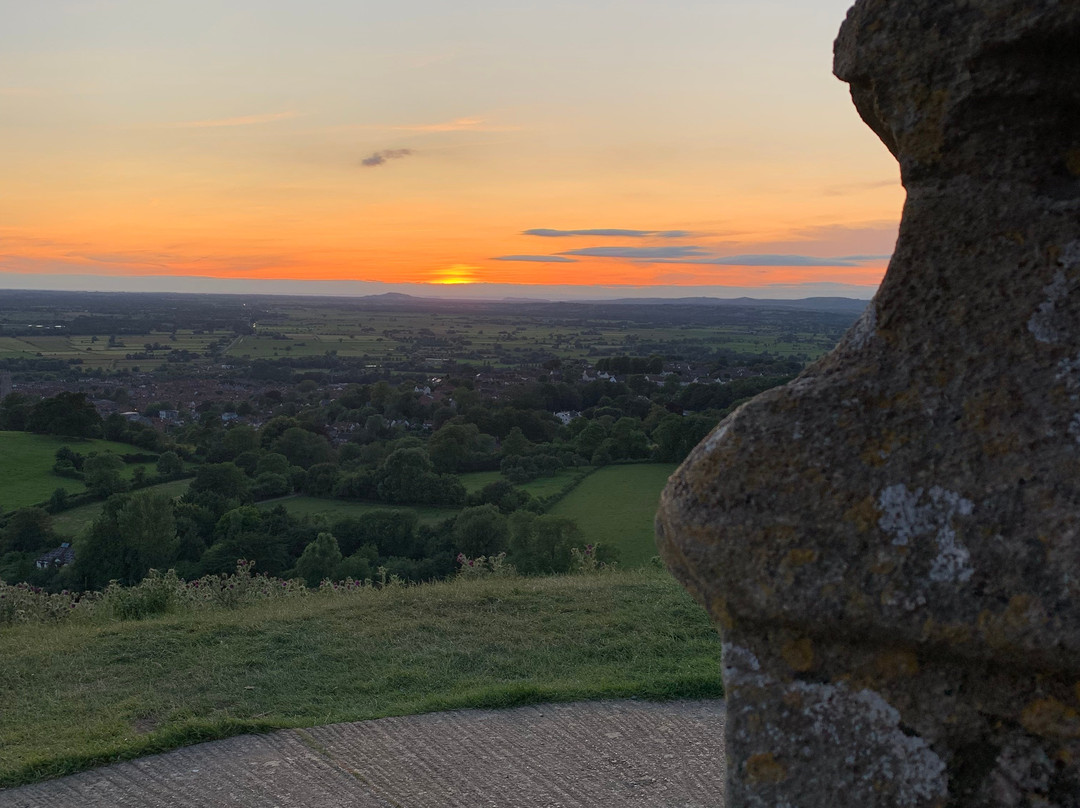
<point>458,125</point>
<point>606,231</point>
<point>243,120</point>
<point>539,259</point>
<point>639,253</point>
<point>766,260</point>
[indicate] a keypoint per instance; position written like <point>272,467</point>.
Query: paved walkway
<point>624,754</point>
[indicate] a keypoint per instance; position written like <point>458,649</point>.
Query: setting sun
<point>458,273</point>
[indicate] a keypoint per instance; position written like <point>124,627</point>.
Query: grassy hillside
<point>616,505</point>
<point>91,690</point>
<point>26,463</point>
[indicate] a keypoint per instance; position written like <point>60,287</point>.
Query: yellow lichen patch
<point>878,449</point>
<point>1072,161</point>
<point>721,616</point>
<point>1011,627</point>
<point>863,514</point>
<point>896,664</point>
<point>799,558</point>
<point>924,140</point>
<point>1016,237</point>
<point>885,566</point>
<point>1049,717</point>
<point>764,768</point>
<point>794,560</point>
<point>798,654</point>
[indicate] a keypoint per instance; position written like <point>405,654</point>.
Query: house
<point>61,556</point>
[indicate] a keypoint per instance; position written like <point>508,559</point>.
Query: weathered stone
<point>890,544</point>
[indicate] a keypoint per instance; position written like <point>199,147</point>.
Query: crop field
<point>72,522</point>
<point>297,331</point>
<point>337,509</point>
<point>101,352</point>
<point>616,505</point>
<point>26,462</point>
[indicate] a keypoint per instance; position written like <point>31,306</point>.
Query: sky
<point>471,148</point>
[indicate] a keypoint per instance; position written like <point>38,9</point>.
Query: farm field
<point>94,352</point>
<point>26,462</point>
<point>72,522</point>
<point>337,509</point>
<point>616,505</point>
<point>540,487</point>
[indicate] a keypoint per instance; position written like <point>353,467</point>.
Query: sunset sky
<point>467,147</point>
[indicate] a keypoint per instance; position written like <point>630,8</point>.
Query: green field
<point>72,522</point>
<point>26,462</point>
<point>90,690</point>
<point>337,508</point>
<point>96,352</point>
<point>540,487</point>
<point>616,506</point>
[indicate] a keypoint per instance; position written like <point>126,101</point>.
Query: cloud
<point>767,260</point>
<point>640,253</point>
<point>618,233</point>
<point>457,125</point>
<point>380,157</point>
<point>244,120</point>
<point>540,259</point>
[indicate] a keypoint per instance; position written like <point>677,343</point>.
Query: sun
<point>458,273</point>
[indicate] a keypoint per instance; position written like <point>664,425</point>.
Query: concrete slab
<point>581,755</point>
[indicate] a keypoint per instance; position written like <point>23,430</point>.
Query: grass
<point>540,487</point>
<point>26,462</point>
<point>84,693</point>
<point>616,506</point>
<point>336,508</point>
<point>72,522</point>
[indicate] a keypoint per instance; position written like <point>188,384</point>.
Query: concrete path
<point>624,754</point>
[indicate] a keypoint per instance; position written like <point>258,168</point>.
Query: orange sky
<point>698,145</point>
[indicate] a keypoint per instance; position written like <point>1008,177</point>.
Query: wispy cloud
<point>242,120</point>
<point>767,260</point>
<point>606,231</point>
<point>639,253</point>
<point>539,259</point>
<point>456,125</point>
<point>380,157</point>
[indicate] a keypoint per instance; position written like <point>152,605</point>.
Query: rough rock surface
<point>890,545</point>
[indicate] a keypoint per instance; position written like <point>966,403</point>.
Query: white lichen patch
<point>907,517</point>
<point>1070,255</point>
<point>827,737</point>
<point>717,436</point>
<point>1042,324</point>
<point>864,330</point>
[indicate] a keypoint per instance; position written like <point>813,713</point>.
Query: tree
<point>303,448</point>
<point>480,530</point>
<point>515,443</point>
<point>101,473</point>
<point>14,412</point>
<point>222,479</point>
<point>169,463</point>
<point>147,526</point>
<point>319,559</point>
<point>68,414</point>
<point>541,544</point>
<point>29,530</point>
